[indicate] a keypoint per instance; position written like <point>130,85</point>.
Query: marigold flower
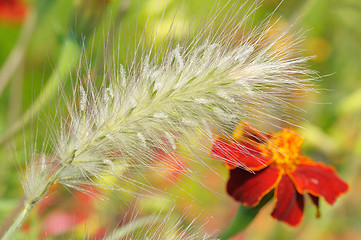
<point>274,161</point>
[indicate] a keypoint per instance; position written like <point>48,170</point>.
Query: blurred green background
<point>45,37</point>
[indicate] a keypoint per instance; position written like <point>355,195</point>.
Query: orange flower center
<point>284,149</point>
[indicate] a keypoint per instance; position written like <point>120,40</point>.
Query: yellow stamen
<point>284,149</point>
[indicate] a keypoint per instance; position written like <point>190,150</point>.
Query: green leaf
<point>243,218</point>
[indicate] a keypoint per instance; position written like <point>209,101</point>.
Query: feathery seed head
<point>209,81</point>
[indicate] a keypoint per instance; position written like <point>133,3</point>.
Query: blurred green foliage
<point>333,117</point>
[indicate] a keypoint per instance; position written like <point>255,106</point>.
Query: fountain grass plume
<point>206,82</point>
<point>161,224</point>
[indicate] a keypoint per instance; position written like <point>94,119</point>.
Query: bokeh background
<point>41,43</point>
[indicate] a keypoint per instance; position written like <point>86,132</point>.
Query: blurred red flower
<point>62,213</point>
<point>274,161</point>
<point>12,10</point>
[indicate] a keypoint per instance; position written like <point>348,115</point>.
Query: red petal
<point>319,180</point>
<point>289,203</point>
<point>237,154</point>
<point>246,132</point>
<point>249,188</point>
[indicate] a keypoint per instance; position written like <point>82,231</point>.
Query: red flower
<point>12,10</point>
<point>274,161</point>
<point>63,213</point>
